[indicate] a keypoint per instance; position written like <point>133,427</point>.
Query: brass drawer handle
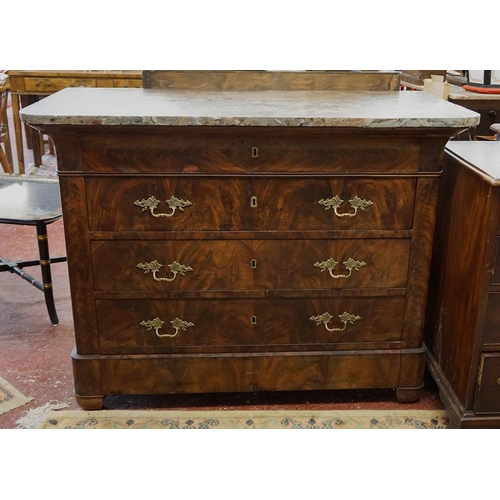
<point>154,266</point>
<point>330,264</point>
<point>326,317</point>
<point>157,323</point>
<point>151,203</point>
<point>336,202</point>
<point>45,82</point>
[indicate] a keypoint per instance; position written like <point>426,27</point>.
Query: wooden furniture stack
<point>28,86</point>
<point>463,330</point>
<point>264,240</point>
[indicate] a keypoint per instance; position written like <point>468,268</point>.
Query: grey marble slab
<point>90,106</point>
<point>481,156</point>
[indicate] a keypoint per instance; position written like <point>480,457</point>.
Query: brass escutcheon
<point>330,264</point>
<point>174,203</point>
<point>344,318</point>
<point>154,266</point>
<point>336,202</point>
<point>157,323</point>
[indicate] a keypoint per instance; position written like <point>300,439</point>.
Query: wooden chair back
<point>5,156</point>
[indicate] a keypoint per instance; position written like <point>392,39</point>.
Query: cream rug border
<point>250,414</point>
<point>18,399</point>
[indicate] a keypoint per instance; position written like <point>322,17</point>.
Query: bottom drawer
<point>135,326</point>
<point>488,387</point>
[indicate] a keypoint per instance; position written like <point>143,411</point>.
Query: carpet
<point>10,397</point>
<point>272,419</point>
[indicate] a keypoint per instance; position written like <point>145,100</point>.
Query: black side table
<point>32,201</point>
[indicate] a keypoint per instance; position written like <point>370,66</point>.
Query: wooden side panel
<point>420,258</point>
<point>271,80</point>
<point>79,263</point>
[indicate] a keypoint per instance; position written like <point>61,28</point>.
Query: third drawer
<point>182,265</point>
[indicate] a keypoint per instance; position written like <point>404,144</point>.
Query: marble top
<point>481,156</point>
<point>269,108</point>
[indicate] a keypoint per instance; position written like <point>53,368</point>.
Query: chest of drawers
<point>463,331</point>
<point>247,241</point>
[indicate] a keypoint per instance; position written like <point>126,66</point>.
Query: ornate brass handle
<point>151,203</point>
<point>154,266</point>
<point>336,201</point>
<point>157,323</point>
<point>47,84</point>
<point>326,317</point>
<point>330,264</point>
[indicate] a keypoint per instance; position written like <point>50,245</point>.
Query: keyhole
<point>253,320</point>
<point>255,152</point>
<point>253,202</point>
<point>253,264</point>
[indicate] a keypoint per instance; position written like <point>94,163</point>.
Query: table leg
<point>43,248</point>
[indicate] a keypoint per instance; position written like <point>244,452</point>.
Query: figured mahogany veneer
<point>222,204</point>
<point>226,324</point>
<point>250,264</point>
<point>245,258</point>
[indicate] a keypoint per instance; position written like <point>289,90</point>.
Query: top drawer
<point>240,150</point>
<point>55,84</point>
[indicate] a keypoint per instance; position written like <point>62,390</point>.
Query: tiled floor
<point>35,355</point>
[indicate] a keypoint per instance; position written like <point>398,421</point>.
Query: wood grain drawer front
<point>491,332</point>
<point>222,204</point>
<point>496,271</point>
<point>55,84</point>
<point>488,387</point>
<point>167,325</point>
<point>239,150</point>
<point>249,264</point>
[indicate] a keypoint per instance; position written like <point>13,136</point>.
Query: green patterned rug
<point>282,419</point>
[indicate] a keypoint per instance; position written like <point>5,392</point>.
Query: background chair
<point>5,148</point>
<point>32,201</point>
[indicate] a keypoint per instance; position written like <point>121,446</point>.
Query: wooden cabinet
<point>464,308</point>
<point>235,241</point>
